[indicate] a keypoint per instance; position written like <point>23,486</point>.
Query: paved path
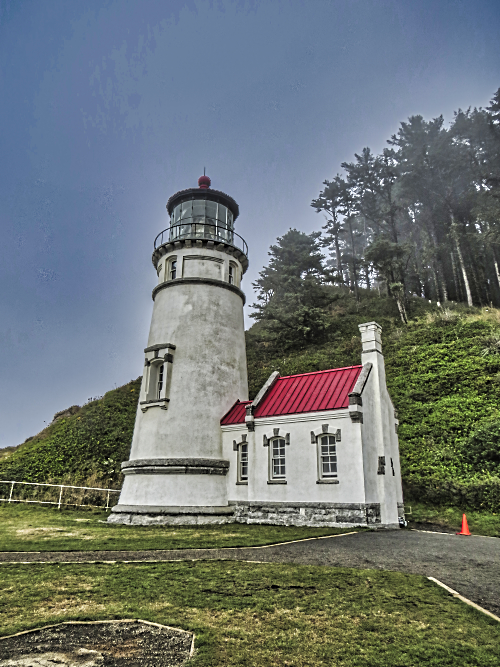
<point>469,565</point>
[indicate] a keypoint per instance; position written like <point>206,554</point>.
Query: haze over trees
<point>422,218</point>
<point>420,221</point>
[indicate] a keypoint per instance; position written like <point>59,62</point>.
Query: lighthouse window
<point>199,208</point>
<point>211,211</point>
<point>160,380</point>
<point>186,209</point>
<point>278,458</point>
<point>231,274</point>
<point>173,269</point>
<point>243,462</point>
<point>327,454</point>
<point>221,214</point>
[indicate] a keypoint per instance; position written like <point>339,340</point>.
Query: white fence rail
<point>52,494</point>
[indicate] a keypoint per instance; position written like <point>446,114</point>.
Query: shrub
<point>476,495</point>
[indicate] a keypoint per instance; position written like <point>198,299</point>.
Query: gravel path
<point>469,565</point>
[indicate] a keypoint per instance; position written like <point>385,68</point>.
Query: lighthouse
<point>194,366</point>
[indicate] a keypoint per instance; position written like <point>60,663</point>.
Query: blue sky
<point>107,108</point>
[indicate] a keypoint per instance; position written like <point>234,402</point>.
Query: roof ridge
<point>327,370</point>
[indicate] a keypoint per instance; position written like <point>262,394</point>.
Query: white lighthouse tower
<point>194,366</point>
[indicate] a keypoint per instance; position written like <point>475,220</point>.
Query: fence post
<point>11,490</point>
<point>107,501</point>
<point>60,496</point>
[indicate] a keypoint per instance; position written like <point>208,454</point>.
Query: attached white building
<point>317,448</point>
<point>313,449</point>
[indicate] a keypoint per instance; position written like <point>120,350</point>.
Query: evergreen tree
<point>291,295</point>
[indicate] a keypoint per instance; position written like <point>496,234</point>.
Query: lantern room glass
<point>202,219</point>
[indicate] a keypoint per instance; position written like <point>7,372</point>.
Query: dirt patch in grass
<point>115,644</point>
<point>51,533</point>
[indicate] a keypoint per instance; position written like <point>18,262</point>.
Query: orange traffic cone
<point>465,527</point>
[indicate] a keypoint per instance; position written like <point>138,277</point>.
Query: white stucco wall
<point>204,321</point>
<point>174,490</point>
<point>378,431</point>
<point>301,460</point>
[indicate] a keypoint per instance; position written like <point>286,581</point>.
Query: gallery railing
<point>205,231</point>
<point>55,494</point>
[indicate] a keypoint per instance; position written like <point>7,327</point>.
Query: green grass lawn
<point>263,615</point>
<point>38,528</point>
<point>450,518</point>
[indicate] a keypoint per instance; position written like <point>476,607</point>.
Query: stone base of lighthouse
<point>171,516</point>
<point>153,487</point>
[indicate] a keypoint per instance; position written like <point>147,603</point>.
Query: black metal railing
<point>197,230</point>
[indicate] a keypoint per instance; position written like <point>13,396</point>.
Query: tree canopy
<point>422,218</point>
<point>291,297</point>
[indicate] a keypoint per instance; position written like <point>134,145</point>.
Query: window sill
<point>328,481</point>
<point>161,403</point>
<point>241,483</point>
<point>276,481</point>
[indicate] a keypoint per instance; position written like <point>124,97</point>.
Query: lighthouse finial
<point>204,181</point>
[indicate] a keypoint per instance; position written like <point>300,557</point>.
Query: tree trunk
<point>461,262</point>
<point>444,290</point>
<point>367,275</point>
<point>339,260</point>
<point>354,274</point>
<point>436,281</point>
<point>496,270</point>
<point>464,274</point>
<point>483,278</point>
<point>402,310</point>
<point>458,287</point>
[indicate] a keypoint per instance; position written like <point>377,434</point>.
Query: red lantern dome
<point>204,182</point>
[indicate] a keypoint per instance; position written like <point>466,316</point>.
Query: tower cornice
<point>171,246</point>
<point>199,193</point>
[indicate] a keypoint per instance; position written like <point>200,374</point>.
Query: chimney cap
<point>371,339</point>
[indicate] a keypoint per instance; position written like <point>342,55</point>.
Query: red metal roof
<point>308,392</point>
<point>236,414</point>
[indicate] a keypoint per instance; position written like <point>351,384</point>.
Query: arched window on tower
<point>157,376</point>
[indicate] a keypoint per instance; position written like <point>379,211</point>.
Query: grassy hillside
<point>443,372</point>
<point>85,448</point>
